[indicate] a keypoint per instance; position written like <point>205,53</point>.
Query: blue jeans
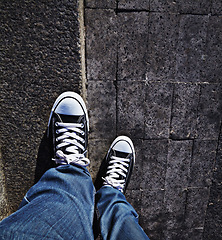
<point>61,206</point>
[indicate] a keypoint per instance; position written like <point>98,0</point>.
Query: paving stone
<point>196,207</point>
<point>101,44</point>
<point>178,164</point>
<point>194,6</point>
<point>96,152</point>
<point>187,234</point>
<point>130,4</point>
<point>175,204</point>
<point>209,112</point>
<point>164,6</point>
<point>216,7</point>
<point>180,6</point>
<point>212,60</point>
<point>158,110</point>
<point>154,235</point>
<point>191,46</point>
<point>163,38</point>
<point>130,108</point>
<point>132,45</point>
<point>184,111</point>
<point>154,164</point>
<point>102,109</point>
<point>152,211</point>
<point>202,164</point>
<point>100,3</point>
<point>137,176</point>
<point>213,223</point>
<point>134,198</point>
<point>194,234</point>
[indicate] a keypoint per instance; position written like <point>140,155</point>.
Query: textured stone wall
<point>40,58</point>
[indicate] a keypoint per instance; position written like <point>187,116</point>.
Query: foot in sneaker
<point>68,130</point>
<point>119,163</point>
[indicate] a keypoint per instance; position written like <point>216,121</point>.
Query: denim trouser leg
<point>118,219</point>
<point>59,206</point>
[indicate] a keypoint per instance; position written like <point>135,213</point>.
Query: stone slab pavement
<point>154,72</point>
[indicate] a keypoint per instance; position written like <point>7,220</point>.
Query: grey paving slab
<point>180,6</point>
<point>178,164</point>
<point>131,4</point>
<point>164,6</point>
<point>196,207</point>
<point>209,111</point>
<point>101,44</point>
<point>152,211</point>
<point>191,48</point>
<point>132,45</point>
<point>134,197</point>
<point>163,38</point>
<point>184,111</point>
<point>96,153</point>
<point>213,223</point>
<point>39,60</point>
<point>195,6</point>
<point>212,64</point>
<point>202,164</point>
<point>102,109</point>
<point>130,108</point>
<point>158,105</point>
<point>154,164</point>
<point>137,176</point>
<point>216,7</point>
<point>100,3</point>
<point>186,234</point>
<point>175,205</point>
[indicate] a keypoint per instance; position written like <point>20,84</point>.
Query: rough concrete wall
<point>40,58</point>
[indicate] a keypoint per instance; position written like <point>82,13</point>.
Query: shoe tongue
<point>70,119</point>
<point>120,154</point>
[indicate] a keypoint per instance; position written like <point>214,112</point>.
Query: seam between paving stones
<point>158,81</point>
<point>125,10</point>
<point>171,111</point>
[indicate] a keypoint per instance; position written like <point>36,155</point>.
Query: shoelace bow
<point>72,143</point>
<point>118,167</point>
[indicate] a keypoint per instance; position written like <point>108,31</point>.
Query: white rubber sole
<point>72,95</point>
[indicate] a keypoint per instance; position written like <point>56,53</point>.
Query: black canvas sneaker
<point>68,128</point>
<point>119,163</point>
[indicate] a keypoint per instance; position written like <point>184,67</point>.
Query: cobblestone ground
<point>154,71</point>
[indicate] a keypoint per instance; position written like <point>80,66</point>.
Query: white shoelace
<point>68,139</point>
<point>118,166</point>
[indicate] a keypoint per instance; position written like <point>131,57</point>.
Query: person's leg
<point>117,218</point>
<point>61,204</point>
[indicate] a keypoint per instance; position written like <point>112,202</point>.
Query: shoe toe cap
<point>69,106</point>
<point>123,146</point>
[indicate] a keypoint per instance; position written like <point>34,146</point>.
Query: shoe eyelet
<point>82,125</point>
<point>82,133</point>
